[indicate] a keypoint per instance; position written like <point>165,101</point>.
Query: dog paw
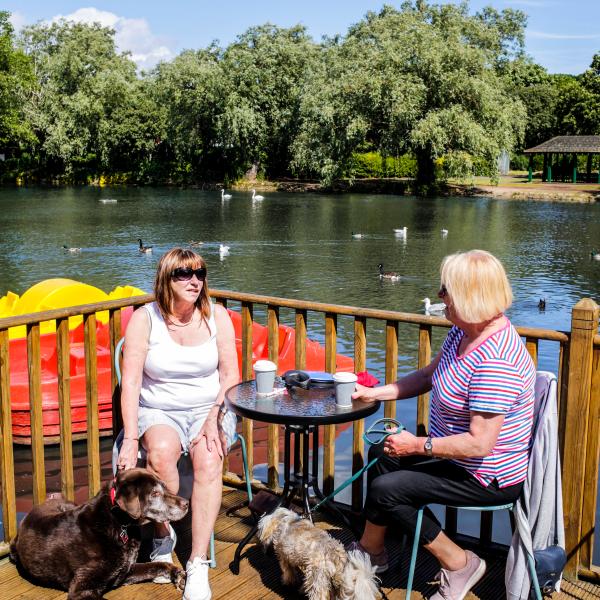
<point>178,578</point>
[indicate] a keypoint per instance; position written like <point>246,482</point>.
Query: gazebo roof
<point>565,144</point>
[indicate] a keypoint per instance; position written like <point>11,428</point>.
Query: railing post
<point>247,426</point>
<point>592,457</point>
<point>358,445</point>
<point>584,325</point>
<point>273,430</point>
<point>329,430</point>
<point>424,358</point>
<point>391,363</point>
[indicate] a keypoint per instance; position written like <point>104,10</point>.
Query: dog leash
<point>375,435</point>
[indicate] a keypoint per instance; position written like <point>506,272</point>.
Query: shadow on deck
<point>260,576</point>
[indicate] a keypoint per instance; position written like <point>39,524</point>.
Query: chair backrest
<point>545,391</point>
<point>118,358</point>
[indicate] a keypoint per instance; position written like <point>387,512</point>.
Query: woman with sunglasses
<point>179,359</point>
<point>481,409</point>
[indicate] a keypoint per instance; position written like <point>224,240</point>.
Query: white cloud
<point>133,35</point>
<point>542,35</point>
<point>17,20</point>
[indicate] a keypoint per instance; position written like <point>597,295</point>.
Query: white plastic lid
<point>265,365</point>
<point>342,377</point>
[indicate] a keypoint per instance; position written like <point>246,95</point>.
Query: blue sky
<point>562,35</point>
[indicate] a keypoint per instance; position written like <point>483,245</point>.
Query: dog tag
<point>123,535</point>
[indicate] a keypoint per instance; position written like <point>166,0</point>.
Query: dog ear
<point>132,506</point>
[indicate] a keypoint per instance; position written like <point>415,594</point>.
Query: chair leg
<point>533,575</point>
<point>413,556</point>
<point>246,471</point>
<point>213,556</point>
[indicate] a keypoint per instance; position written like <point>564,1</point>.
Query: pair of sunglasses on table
<point>186,273</point>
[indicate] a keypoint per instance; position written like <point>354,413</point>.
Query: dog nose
<point>185,504</point>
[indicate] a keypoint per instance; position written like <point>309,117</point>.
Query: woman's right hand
<point>366,394</point>
<point>128,456</point>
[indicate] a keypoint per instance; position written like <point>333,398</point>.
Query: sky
<point>562,35</point>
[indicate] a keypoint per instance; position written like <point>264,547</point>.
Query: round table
<point>301,412</point>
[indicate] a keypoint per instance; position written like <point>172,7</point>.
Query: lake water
<point>301,246</point>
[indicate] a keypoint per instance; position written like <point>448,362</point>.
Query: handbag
<point>549,564</point>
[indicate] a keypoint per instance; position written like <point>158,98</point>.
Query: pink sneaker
<point>455,585</point>
<point>379,561</point>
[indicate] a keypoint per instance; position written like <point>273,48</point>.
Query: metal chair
<point>184,466</point>
<point>511,507</point>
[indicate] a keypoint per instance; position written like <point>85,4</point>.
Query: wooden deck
<point>259,573</point>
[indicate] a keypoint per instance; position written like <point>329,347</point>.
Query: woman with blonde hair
<point>481,413</point>
<point>179,359</point>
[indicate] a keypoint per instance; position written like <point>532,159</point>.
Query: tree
<point>90,112</point>
<point>424,79</point>
<point>16,84</point>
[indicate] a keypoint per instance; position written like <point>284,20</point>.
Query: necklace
<point>182,324</point>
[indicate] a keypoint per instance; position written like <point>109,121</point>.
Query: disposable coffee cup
<point>345,385</point>
<point>264,371</point>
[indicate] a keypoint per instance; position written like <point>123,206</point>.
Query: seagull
<point>144,249</point>
<point>225,196</point>
<point>391,275</point>
<point>444,232</point>
<point>595,255</point>
<point>400,232</point>
<point>433,308</point>
<point>255,196</point>
<point>542,304</point>
<point>73,250</point>
<point>223,250</point>
<point>195,244</point>
<point>357,236</point>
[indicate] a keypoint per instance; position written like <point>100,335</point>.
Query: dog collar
<point>123,535</point>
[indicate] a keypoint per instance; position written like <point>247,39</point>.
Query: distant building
<point>560,157</point>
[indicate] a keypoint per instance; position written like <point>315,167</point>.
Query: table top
<point>315,406</point>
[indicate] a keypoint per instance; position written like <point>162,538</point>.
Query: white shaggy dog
<point>329,572</point>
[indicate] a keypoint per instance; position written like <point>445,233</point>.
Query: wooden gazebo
<point>560,157</point>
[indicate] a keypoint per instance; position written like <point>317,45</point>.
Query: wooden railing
<point>577,366</point>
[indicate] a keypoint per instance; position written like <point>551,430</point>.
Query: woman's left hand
<point>212,433</point>
<point>400,444</point>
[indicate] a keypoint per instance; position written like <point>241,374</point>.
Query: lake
<point>301,246</point>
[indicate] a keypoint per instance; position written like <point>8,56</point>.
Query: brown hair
<point>173,259</point>
<point>477,285</point>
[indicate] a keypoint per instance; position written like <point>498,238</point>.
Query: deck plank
<point>259,577</point>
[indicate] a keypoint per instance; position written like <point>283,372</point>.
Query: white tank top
<point>179,377</point>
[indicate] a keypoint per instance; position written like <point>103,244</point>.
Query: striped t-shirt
<point>498,376</point>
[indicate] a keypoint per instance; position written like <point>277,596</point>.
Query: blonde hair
<point>173,259</point>
<point>477,285</point>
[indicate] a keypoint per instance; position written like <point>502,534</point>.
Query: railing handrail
<point>339,309</point>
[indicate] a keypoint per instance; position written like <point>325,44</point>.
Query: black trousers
<point>398,487</point>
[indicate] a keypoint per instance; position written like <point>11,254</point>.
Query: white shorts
<point>187,423</point>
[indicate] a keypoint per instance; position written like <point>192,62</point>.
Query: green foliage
<point>17,82</point>
<point>372,164</point>
<point>424,90</point>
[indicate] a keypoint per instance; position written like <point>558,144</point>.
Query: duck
<point>401,232</point>
<point>223,250</point>
<point>444,232</point>
<point>357,236</point>
<point>595,255</point>
<point>255,196</point>
<point>73,250</point>
<point>542,304</point>
<point>433,308</point>
<point>195,244</point>
<point>144,249</point>
<point>225,196</point>
<point>391,275</point>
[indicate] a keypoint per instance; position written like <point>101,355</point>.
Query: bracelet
<point>132,439</point>
<point>222,408</point>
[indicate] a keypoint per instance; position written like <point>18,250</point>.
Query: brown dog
<point>92,548</point>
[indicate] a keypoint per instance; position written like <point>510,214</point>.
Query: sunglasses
<point>443,292</point>
<point>186,273</point>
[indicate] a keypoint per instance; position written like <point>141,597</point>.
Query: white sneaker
<point>196,583</point>
<point>162,549</point>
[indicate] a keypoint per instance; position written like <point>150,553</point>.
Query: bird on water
<point>391,275</point>
<point>144,249</point>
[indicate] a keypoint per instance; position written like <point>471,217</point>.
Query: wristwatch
<point>428,446</point>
